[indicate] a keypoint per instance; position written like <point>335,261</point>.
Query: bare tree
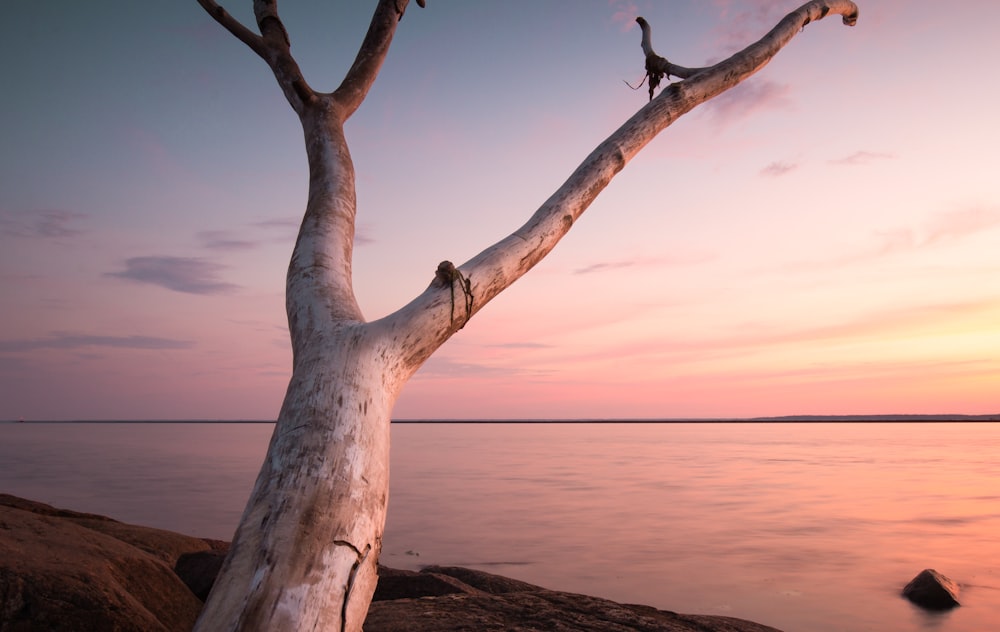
<point>305,553</point>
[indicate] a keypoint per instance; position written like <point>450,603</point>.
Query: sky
<point>820,240</point>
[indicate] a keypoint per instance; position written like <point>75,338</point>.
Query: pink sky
<point>821,240</point>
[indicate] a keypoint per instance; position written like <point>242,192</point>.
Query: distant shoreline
<point>791,419</point>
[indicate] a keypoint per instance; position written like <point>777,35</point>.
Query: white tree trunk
<point>305,554</point>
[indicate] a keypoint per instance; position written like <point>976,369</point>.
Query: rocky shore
<point>62,570</point>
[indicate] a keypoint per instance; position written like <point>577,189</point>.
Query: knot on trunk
<point>447,274</point>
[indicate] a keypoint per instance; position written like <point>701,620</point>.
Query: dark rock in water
<point>932,590</point>
<point>65,571</point>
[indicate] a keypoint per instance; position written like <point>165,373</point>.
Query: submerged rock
<point>932,590</point>
<point>65,571</point>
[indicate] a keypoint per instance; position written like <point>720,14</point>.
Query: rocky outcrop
<point>932,590</point>
<point>66,571</point>
<point>466,600</point>
<point>74,572</point>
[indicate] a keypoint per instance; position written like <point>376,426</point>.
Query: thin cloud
<point>746,99</point>
<point>290,226</point>
<point>605,266</point>
<point>437,367</point>
<point>44,224</point>
<point>777,169</point>
<point>862,158</point>
<point>958,224</point>
<point>280,230</point>
<point>520,345</point>
<point>180,274</point>
<point>878,325</point>
<point>951,225</point>
<point>624,13</point>
<point>362,236</point>
<point>743,23</point>
<point>282,223</point>
<point>223,240</point>
<point>63,340</point>
<point>882,324</point>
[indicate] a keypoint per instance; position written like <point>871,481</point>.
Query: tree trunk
<point>304,556</point>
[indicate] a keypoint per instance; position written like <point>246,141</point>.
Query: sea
<point>807,527</point>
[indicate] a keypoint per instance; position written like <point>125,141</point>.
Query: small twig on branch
<point>640,82</point>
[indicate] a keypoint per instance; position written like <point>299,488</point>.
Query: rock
<point>400,584</point>
<point>65,571</point>
<point>479,601</point>
<point>486,582</point>
<point>73,572</point>
<point>199,569</point>
<point>932,590</point>
<point>536,611</point>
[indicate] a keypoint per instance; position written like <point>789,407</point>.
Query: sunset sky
<point>823,239</point>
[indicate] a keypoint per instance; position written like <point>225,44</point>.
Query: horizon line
<point>888,418</point>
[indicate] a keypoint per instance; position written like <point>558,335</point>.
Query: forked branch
<point>272,45</point>
<point>234,26</point>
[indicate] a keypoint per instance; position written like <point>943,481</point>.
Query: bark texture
<point>304,556</point>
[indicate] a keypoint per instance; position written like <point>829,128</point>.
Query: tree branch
<point>497,267</point>
<point>361,76</point>
<point>657,67</point>
<point>272,45</point>
<point>231,24</point>
<point>278,55</point>
<point>270,25</point>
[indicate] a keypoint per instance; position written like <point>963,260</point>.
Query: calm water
<point>806,527</point>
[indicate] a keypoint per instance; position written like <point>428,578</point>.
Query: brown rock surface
<point>63,570</point>
<point>68,571</point>
<point>482,602</point>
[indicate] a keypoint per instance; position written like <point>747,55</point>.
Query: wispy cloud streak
<point>862,158</point>
<point>746,99</point>
<point>607,266</point>
<point>778,168</point>
<point>520,345</point>
<point>223,240</point>
<point>439,367</point>
<point>44,224</point>
<point>624,13</point>
<point>743,22</point>
<point>949,226</point>
<point>63,340</point>
<point>958,224</point>
<point>180,274</point>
